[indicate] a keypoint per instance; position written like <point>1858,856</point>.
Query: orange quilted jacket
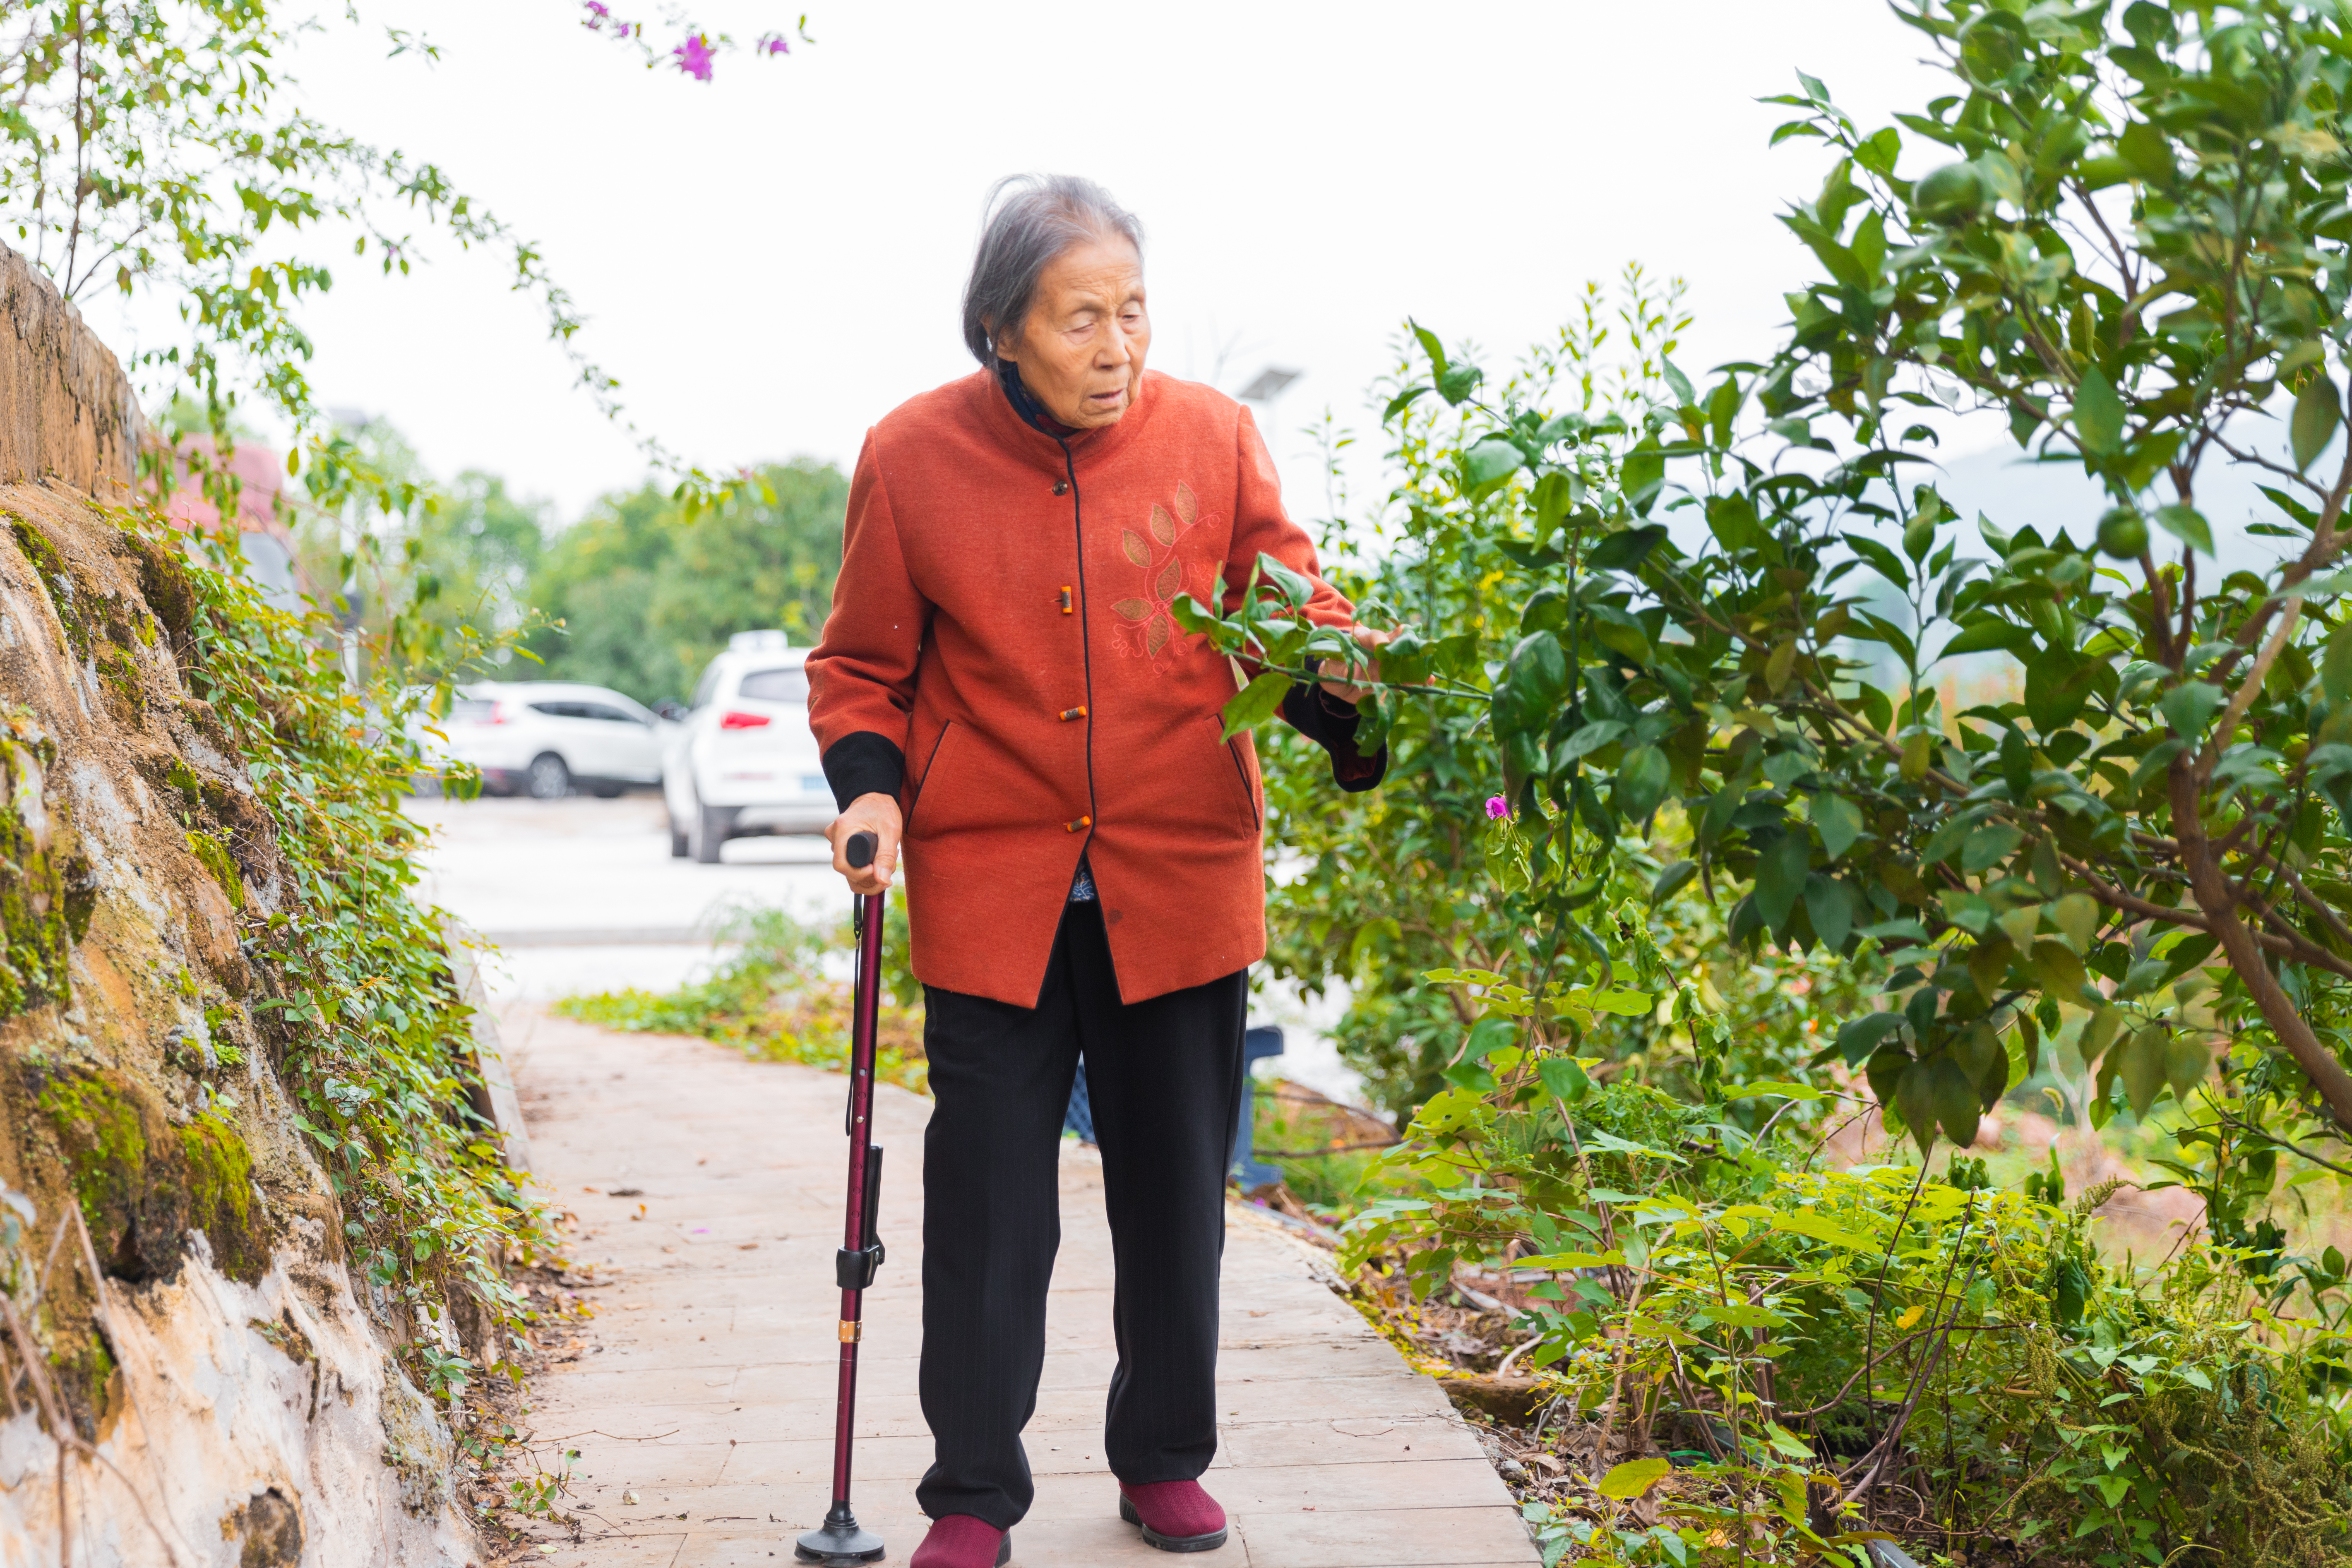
<point>1000,650</point>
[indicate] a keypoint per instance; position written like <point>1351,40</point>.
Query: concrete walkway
<point>703,1388</point>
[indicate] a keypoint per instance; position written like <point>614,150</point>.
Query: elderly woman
<point>1002,695</point>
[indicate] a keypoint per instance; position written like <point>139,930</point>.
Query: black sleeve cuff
<point>1332,724</point>
<point>864,764</point>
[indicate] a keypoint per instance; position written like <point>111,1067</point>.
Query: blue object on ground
<point>1250,1172</point>
<point>1258,1044</point>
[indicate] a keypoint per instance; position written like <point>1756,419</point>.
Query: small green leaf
<point>2146,153</point>
<point>2318,410</point>
<point>1531,687</point>
<point>2335,666</point>
<point>1564,1078</point>
<point>1839,821</point>
<point>1857,1038</point>
<point>1672,879</point>
<point>1587,739</point>
<point>1401,402</point>
<point>2186,1061</point>
<point>2143,1067</point>
<point>1988,635</point>
<point>2190,707</point>
<point>1490,1035</point>
<point>2099,1033</point>
<point>1959,1106</point>
<point>1780,878</point>
<point>2098,415</point>
<point>1988,846</point>
<point>1293,585</point>
<point>1455,383</point>
<point>2187,524</point>
<point>1919,534</point>
<point>1490,460</point>
<point>1643,473</point>
<point>1429,345</point>
<point>1633,1478</point>
<point>2078,915</point>
<point>1624,550</point>
<point>1641,781</point>
<point>1883,561</point>
<point>1678,383</point>
<point>1256,703</point>
<point>1806,1223</point>
<point>1829,904</point>
<point>1914,1101</point>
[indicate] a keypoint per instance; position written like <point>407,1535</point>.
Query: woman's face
<point>1081,350</point>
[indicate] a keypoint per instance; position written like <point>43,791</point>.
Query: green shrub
<point>354,995</point>
<point>772,999</point>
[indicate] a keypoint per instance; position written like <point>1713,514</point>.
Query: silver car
<point>545,738</point>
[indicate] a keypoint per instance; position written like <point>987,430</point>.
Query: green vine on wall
<point>354,994</point>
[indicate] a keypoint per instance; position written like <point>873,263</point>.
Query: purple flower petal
<point>694,57</point>
<point>1497,808</point>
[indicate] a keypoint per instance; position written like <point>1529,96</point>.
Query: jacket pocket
<point>1250,808</point>
<point>930,771</point>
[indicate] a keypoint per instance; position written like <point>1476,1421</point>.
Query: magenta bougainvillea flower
<point>694,57</point>
<point>774,44</point>
<point>1497,807</point>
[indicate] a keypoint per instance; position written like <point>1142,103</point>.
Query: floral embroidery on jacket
<point>1145,627</point>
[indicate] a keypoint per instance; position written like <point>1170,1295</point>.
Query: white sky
<point>772,261</point>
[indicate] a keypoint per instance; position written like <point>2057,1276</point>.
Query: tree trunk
<point>2211,885</point>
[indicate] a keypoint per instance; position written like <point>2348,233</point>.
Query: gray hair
<point>1030,219</point>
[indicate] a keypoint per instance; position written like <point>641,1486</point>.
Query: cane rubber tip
<point>838,1543</point>
<point>861,849</point>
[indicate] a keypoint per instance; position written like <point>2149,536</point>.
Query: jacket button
<point>1070,713</point>
<point>1061,486</point>
<point>1081,822</point>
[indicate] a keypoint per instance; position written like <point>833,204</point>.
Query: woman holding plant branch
<point>1005,688</point>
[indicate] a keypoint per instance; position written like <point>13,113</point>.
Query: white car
<point>544,738</point>
<point>742,762</point>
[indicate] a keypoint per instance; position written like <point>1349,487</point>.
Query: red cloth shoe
<point>960,1541</point>
<point>1176,1516</point>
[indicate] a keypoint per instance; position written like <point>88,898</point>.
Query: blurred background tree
<point>646,595</point>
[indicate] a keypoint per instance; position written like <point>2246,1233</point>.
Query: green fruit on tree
<point>2122,533</point>
<point>1950,194</point>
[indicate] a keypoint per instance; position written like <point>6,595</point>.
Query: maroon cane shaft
<point>866,1011</point>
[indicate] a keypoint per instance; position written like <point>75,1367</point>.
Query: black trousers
<point>1165,1077</point>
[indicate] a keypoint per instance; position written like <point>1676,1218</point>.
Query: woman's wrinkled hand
<point>877,814</point>
<point>1369,667</point>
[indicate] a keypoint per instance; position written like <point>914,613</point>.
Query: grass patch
<point>772,1000</point>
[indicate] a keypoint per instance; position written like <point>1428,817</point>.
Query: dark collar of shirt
<point>1025,401</point>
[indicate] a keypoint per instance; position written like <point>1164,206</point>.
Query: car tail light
<point>743,721</point>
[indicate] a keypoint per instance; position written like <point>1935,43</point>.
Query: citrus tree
<point>2121,231</point>
<point>1434,871</point>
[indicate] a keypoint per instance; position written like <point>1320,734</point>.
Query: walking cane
<point>839,1543</point>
